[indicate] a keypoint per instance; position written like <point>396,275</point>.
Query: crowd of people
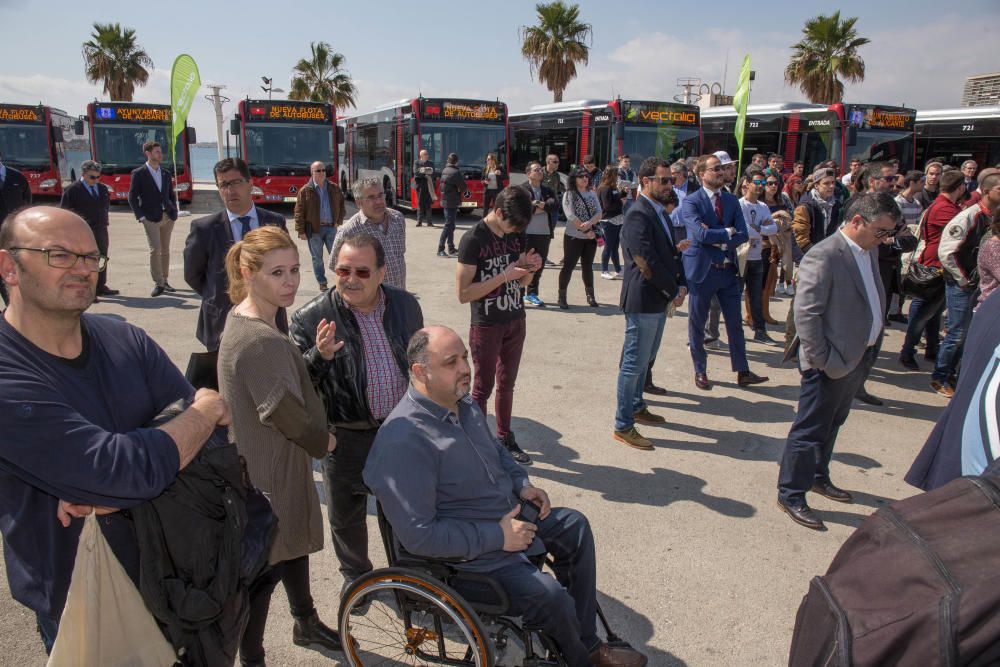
<point>354,378</point>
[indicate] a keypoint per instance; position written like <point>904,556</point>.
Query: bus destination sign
<point>121,113</point>
<point>18,114</point>
<point>878,118</point>
<point>659,114</point>
<point>288,111</point>
<point>459,110</point>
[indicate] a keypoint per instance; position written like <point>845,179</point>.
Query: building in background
<point>981,90</point>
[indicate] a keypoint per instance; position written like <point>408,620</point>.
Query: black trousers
<point>347,500</point>
<point>294,575</point>
<point>101,235</point>
<point>892,281</point>
<point>540,244</point>
<point>578,250</point>
<point>424,205</point>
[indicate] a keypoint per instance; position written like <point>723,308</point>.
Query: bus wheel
<point>390,199</point>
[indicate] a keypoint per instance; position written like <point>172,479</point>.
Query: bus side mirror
<point>619,130</point>
<point>413,125</point>
<point>78,127</point>
<point>234,127</point>
<point>340,134</point>
<point>852,136</point>
<point>192,136</point>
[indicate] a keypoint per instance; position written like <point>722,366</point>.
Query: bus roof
<point>962,113</point>
<point>779,107</point>
<point>556,107</point>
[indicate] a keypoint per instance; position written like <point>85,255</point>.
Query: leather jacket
<point>342,383</point>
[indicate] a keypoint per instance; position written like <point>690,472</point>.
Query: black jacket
<point>549,197</point>
<point>147,200</point>
<point>452,187</point>
<point>653,272</point>
<point>14,194</point>
<point>77,198</point>
<point>205,271</point>
<point>342,382</point>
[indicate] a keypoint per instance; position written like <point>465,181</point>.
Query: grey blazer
<point>832,315</point>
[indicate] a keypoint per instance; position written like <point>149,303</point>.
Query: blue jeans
<point>924,316</point>
<point>612,239</point>
<point>643,332</point>
<point>448,233</point>
<point>324,237</point>
<point>754,282</point>
<point>960,303</point>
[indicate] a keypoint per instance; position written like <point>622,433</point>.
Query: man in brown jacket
<point>319,210</point>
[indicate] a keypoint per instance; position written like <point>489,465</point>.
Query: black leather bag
<point>923,282</point>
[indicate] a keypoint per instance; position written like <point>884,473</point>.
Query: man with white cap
<point>728,169</point>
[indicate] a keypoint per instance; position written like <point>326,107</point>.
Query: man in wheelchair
<point>451,491</point>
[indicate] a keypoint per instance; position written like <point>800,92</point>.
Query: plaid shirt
<point>393,242</point>
<point>386,384</point>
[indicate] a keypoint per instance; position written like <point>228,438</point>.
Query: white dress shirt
<point>157,175</point>
<point>864,261</point>
<point>237,226</point>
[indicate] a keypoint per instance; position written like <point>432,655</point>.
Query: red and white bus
<point>32,140</point>
<point>386,143</point>
<point>814,133</point>
<point>117,132</point>
<point>279,139</point>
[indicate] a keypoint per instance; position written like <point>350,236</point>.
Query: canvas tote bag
<point>105,622</point>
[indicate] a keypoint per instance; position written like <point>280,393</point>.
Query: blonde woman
<point>492,182</point>
<point>279,424</point>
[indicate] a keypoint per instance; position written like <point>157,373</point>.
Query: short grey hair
<point>972,162</point>
<point>89,165</point>
<point>871,206</point>
<point>680,165</point>
<point>359,186</point>
<point>416,349</point>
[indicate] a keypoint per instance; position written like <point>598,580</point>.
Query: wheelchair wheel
<point>396,616</point>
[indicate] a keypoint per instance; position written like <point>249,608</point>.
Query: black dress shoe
<point>909,362</point>
<point>701,381</point>
<point>168,287</point>
<point>802,515</point>
<point>747,378</point>
<point>310,631</point>
<point>870,399</point>
<point>898,317</point>
<point>157,291</point>
<point>653,389</point>
<point>828,490</point>
<point>107,291</point>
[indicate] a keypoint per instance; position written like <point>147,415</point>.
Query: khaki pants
<point>158,236</point>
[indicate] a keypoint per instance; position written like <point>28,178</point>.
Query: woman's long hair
<point>250,253</point>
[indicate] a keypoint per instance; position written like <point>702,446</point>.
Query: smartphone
<point>529,512</point>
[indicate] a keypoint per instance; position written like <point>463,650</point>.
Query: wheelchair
<point>410,614</point>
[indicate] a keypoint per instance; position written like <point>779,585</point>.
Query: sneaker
<point>534,300</point>
<point>442,253</point>
<point>790,290</point>
<point>762,338</point>
<point>633,438</point>
<point>516,452</point>
<point>617,276</point>
<point>942,388</point>
<point>607,275</point>
<point>780,289</point>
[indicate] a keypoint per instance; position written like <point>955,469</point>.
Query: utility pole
<point>268,86</point>
<point>217,101</point>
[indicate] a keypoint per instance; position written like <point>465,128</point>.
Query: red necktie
<point>718,206</point>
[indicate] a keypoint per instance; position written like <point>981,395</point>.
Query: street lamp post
<point>268,86</point>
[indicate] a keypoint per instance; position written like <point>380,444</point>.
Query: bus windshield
<point>287,149</point>
<point>119,147</point>
<point>878,145</point>
<point>471,142</point>
<point>669,142</point>
<point>25,147</point>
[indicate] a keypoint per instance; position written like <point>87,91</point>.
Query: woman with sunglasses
<point>583,213</point>
<point>279,425</point>
<point>781,256</point>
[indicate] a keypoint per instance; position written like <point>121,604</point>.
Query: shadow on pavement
<point>152,303</point>
<point>640,631</point>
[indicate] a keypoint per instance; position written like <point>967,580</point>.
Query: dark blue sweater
<point>73,429</point>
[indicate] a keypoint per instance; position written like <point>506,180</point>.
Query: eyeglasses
<point>64,259</point>
<point>319,171</point>
<point>374,198</point>
<point>229,185</point>
<point>345,272</point>
<point>770,183</point>
<point>756,182</point>
<point>92,177</point>
<point>662,180</point>
<point>717,168</point>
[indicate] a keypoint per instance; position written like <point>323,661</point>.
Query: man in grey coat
<point>839,315</point>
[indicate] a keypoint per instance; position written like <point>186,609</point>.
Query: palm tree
<point>112,57</point>
<point>828,50</point>
<point>556,45</point>
<point>321,79</point>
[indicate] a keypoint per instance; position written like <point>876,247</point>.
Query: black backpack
<point>202,542</point>
<point>918,583</point>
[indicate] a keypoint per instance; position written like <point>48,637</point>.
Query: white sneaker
<point>618,276</point>
<point>790,290</point>
<point>780,289</point>
<point>607,275</point>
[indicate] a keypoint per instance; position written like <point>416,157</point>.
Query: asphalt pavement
<point>696,564</point>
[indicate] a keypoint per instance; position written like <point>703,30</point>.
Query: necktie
<point>718,206</point>
<point>93,191</point>
<point>245,224</point>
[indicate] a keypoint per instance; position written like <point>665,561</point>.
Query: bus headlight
<point>183,187</point>
<point>48,183</point>
<point>256,192</point>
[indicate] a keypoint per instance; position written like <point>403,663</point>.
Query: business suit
<point>80,199</point>
<point>205,269</point>
<point>149,203</point>
<point>711,270</point>
<point>652,278</point>
<point>833,319</point>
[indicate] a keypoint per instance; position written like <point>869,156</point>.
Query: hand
<point>302,235</point>
<point>67,511</point>
<point>539,497</point>
<point>326,343</point>
<point>684,245</point>
<point>679,299</point>
<point>533,260</point>
<point>210,402</point>
<point>331,444</point>
<point>517,535</point>
<point>514,272</point>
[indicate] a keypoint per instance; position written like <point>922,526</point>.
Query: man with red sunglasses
<point>372,323</point>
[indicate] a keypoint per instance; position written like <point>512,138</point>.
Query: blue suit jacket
<point>653,272</point>
<point>147,200</point>
<point>698,210</point>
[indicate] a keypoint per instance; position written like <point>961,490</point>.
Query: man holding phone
<point>538,233</point>
<point>450,490</point>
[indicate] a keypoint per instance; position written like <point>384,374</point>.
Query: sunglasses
<point>756,182</point>
<point>662,180</point>
<point>770,182</point>
<point>345,272</point>
<point>717,168</point>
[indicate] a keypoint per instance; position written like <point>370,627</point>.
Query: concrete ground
<point>697,566</point>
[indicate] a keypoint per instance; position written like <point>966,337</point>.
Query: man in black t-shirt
<point>493,269</point>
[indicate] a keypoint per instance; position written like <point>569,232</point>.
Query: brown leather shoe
<point>616,656</point>
<point>701,381</point>
<point>747,378</point>
<point>828,490</point>
<point>633,438</point>
<point>802,515</point>
<point>644,416</point>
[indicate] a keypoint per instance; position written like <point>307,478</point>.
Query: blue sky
<point>920,53</point>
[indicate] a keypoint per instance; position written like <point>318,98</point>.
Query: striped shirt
<point>911,210</point>
<point>386,384</point>
<point>391,233</point>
